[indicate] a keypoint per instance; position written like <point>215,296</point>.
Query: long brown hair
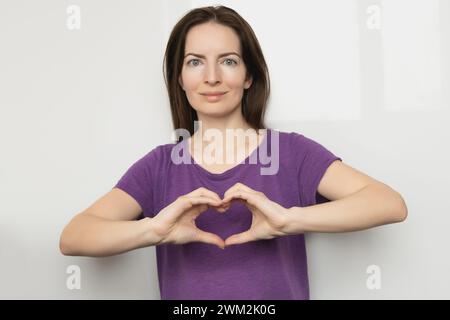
<point>254,100</point>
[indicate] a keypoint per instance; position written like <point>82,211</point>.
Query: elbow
<point>63,248</point>
<point>64,245</point>
<point>64,251</point>
<point>401,212</point>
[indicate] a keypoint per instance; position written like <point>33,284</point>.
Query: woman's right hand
<point>176,223</point>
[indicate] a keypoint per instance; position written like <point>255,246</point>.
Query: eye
<point>234,61</point>
<point>189,62</point>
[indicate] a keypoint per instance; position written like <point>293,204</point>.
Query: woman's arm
<point>90,235</point>
<point>108,227</point>
<point>375,204</point>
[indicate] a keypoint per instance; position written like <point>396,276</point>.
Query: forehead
<point>211,38</point>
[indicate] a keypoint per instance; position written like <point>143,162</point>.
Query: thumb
<point>239,238</point>
<point>208,237</point>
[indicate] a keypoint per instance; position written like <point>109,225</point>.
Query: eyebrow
<point>220,55</point>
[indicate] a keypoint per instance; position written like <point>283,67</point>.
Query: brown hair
<point>254,100</point>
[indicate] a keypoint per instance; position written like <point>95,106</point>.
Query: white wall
<point>367,79</point>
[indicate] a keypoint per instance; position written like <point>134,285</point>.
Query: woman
<point>228,230</point>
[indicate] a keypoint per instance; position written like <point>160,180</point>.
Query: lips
<point>213,94</point>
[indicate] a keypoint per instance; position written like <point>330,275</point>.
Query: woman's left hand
<point>268,217</point>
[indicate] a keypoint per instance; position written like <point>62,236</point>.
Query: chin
<point>214,113</point>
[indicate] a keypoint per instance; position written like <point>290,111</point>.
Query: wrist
<point>151,235</point>
<point>295,221</point>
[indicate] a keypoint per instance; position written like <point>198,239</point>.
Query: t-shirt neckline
<point>232,170</point>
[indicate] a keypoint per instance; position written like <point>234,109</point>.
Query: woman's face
<point>206,69</point>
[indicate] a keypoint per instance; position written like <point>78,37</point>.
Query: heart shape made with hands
<point>269,219</point>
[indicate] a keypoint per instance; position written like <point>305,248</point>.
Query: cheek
<point>191,80</point>
<point>234,79</point>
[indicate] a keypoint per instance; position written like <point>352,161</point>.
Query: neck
<point>232,122</point>
<point>210,128</point>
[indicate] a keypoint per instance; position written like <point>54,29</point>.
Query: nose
<point>212,74</point>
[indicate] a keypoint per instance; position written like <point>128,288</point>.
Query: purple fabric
<point>265,269</point>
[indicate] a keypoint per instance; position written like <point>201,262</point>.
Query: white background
<point>369,80</point>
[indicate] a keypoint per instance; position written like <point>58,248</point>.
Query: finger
<point>210,238</point>
<point>206,193</point>
<point>204,200</point>
<point>227,205</point>
<point>249,197</point>
<point>187,202</point>
<point>239,238</point>
<point>238,187</point>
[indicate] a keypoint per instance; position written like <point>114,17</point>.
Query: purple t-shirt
<point>264,269</point>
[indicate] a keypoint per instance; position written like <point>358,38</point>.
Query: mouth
<point>213,94</point>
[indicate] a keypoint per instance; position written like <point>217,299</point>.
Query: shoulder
<point>170,153</point>
<point>155,158</point>
<point>162,150</point>
<point>292,144</point>
<point>297,139</point>
<point>303,145</point>
<point>306,152</point>
<point>290,138</point>
<point>282,137</point>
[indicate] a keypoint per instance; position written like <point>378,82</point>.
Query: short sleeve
<point>138,182</point>
<point>313,160</point>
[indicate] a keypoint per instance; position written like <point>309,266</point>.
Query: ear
<point>248,82</point>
